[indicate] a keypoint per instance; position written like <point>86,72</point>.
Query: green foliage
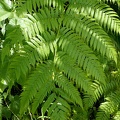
<point>59,60</point>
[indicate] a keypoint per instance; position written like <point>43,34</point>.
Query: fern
<point>58,52</point>
<point>99,41</point>
<point>109,107</point>
<point>69,89</point>
<point>78,50</point>
<point>39,82</point>
<point>102,13</point>
<point>78,75</point>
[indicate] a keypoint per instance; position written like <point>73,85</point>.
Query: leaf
<point>68,87</point>
<point>4,15</point>
<point>47,103</point>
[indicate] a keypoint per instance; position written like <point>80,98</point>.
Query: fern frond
<point>102,13</point>
<point>66,64</point>
<point>117,116</point>
<point>68,87</point>
<point>92,33</point>
<point>98,91</point>
<point>79,114</point>
<point>73,45</point>
<point>111,86</point>
<point>51,48</point>
<point>64,95</point>
<point>12,32</point>
<point>30,5</point>
<point>48,102</point>
<point>26,57</point>
<point>38,23</point>
<point>88,101</point>
<point>41,94</point>
<point>110,1</point>
<point>109,107</point>
<point>36,81</point>
<point>59,110</point>
<point>65,91</point>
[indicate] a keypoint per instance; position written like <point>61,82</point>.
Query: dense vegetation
<point>59,60</point>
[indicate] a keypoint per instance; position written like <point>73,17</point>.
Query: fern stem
<point>30,114</point>
<point>12,111</point>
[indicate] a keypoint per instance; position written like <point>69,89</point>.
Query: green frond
<point>33,88</point>
<point>58,53</point>
<point>48,102</point>
<point>38,23</point>
<point>111,86</point>
<point>79,114</point>
<point>103,14</point>
<point>12,32</point>
<point>68,87</point>
<point>108,107</point>
<point>26,57</point>
<point>117,116</point>
<point>64,95</point>
<point>66,64</point>
<point>59,110</point>
<point>42,93</point>
<point>98,91</point>
<point>111,1</point>
<point>114,97</point>
<point>105,110</point>
<point>88,101</point>
<point>30,5</point>
<point>92,33</point>
<point>73,45</point>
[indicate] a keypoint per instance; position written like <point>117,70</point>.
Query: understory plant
<point>59,60</point>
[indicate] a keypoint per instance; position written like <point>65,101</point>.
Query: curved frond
<point>107,108</point>
<point>102,13</point>
<point>73,45</point>
<point>117,116</point>
<point>64,55</point>
<point>98,91</point>
<point>92,33</point>
<point>36,81</point>
<point>68,87</point>
<point>42,93</point>
<point>67,65</point>
<point>26,57</point>
<point>48,102</point>
<point>12,32</point>
<point>38,23</point>
<point>59,110</point>
<point>30,5</point>
<point>111,1</point>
